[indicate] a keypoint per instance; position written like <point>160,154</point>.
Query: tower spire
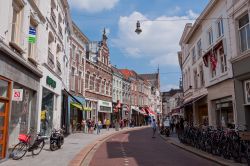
<point>104,36</point>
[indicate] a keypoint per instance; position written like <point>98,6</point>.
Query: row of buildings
<point>53,76</point>
<point>215,64</point>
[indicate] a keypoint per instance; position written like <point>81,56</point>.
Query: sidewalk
<point>173,139</point>
<point>73,144</point>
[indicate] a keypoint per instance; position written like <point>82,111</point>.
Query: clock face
<point>247,91</point>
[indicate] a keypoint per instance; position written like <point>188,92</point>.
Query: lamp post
<point>138,28</point>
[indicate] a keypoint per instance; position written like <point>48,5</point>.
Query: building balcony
<point>51,61</point>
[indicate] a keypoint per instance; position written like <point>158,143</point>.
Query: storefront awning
<point>79,106</point>
<point>190,102</point>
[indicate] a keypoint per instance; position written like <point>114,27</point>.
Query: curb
<point>83,154</point>
<point>201,153</point>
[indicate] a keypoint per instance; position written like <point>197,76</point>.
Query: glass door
<point>4,111</point>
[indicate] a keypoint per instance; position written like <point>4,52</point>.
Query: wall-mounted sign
<point>50,82</point>
<point>32,35</point>
<point>17,95</point>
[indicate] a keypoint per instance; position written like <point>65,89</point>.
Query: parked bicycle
<point>56,139</point>
<point>229,143</point>
<point>25,145</point>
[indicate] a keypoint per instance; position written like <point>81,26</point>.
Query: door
<point>4,112</point>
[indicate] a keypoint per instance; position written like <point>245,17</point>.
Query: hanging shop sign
<point>17,95</point>
<point>50,82</point>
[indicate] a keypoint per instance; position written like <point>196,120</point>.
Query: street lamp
<point>138,28</point>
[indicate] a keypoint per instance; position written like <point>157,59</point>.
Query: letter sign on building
<point>50,82</point>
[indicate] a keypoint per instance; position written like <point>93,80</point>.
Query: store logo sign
<point>105,103</point>
<point>50,82</point>
<point>17,95</point>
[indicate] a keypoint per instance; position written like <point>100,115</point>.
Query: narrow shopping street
<point>139,148</point>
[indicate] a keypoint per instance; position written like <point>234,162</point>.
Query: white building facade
<point>206,68</point>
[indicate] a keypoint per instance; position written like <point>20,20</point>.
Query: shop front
<point>224,112</point>
<point>104,110</point>
<point>51,103</point>
<point>221,112</point>
<point>201,111</point>
<point>135,117</point>
<point>77,112</point>
<point>91,104</point>
<point>19,88</point>
<point>242,91</point>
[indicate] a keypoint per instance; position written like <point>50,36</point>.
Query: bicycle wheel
<point>38,147</point>
<point>19,150</point>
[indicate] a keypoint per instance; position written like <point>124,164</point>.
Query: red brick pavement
<point>135,148</point>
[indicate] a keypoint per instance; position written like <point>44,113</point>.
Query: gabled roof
<point>116,71</point>
<point>153,78</point>
<point>127,73</point>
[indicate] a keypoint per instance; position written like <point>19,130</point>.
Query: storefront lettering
<point>105,103</point>
<point>51,82</point>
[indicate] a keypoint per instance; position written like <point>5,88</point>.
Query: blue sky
<point>156,45</point>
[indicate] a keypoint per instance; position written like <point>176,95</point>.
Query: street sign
<point>17,95</point>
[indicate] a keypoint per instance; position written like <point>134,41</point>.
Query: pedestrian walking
<point>107,124</point>
<point>89,126</point>
<point>98,127</point>
<point>83,123</point>
<point>153,125</point>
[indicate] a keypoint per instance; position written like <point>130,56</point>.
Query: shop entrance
<point>203,115</point>
<point>4,112</point>
<point>47,112</point>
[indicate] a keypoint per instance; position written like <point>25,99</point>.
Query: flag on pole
<point>213,60</point>
<point>32,35</point>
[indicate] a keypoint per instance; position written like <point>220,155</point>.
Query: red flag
<point>213,60</point>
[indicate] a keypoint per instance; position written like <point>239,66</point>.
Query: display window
<point>247,91</point>
<point>48,98</point>
<point>20,119</point>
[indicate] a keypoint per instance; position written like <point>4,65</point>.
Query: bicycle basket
<point>23,137</point>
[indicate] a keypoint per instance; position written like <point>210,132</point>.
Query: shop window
<point>91,82</point>
<point>73,79</point>
<point>210,36</point>
<point>17,21</point>
<point>107,88</point>
<point>32,46</point>
<point>97,84</point>
<point>199,49</point>
<point>103,86</point>
<point>193,55</point>
<point>20,118</point>
<point>202,81</point>
<point>48,103</point>
<point>247,91</point>
<point>223,63</point>
<point>244,33</point>
<point>87,79</point>
<point>220,30</point>
<point>80,82</point>
<point>3,88</point>
<point>195,79</point>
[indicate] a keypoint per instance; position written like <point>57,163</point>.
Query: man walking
<point>153,125</point>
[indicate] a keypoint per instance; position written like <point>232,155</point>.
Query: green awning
<point>79,106</point>
<point>76,105</point>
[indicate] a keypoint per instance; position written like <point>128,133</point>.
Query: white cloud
<point>93,5</point>
<point>159,40</point>
<point>168,87</point>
